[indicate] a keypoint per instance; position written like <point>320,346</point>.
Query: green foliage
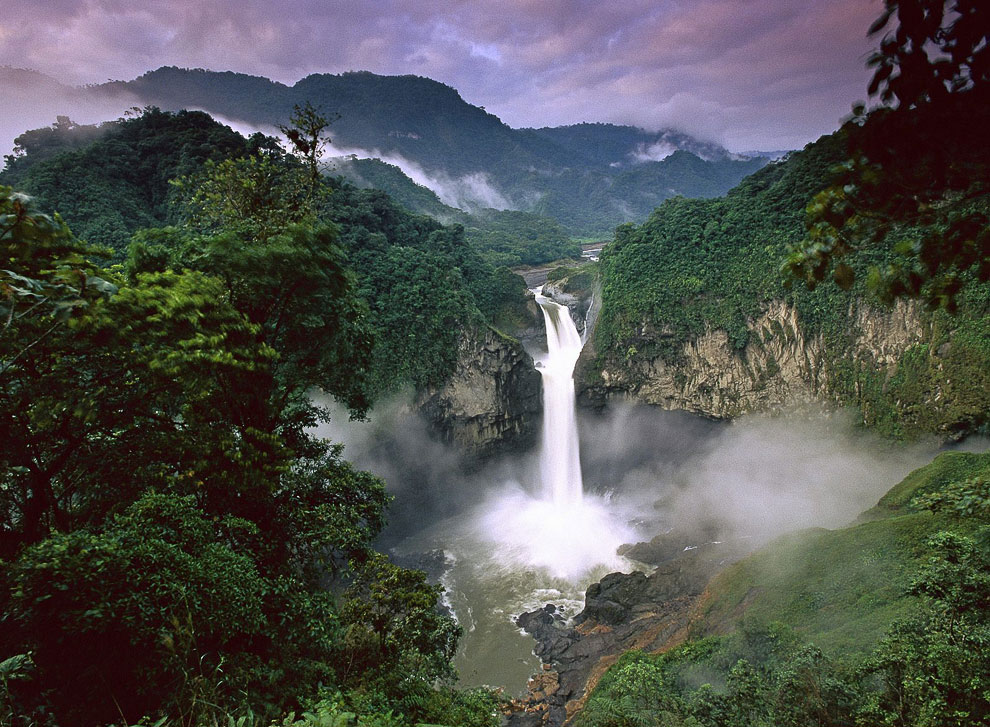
<point>969,497</point>
<point>697,265</point>
<point>916,162</point>
<point>45,279</point>
<point>591,202</point>
<point>424,284</point>
<point>111,181</point>
<point>505,237</point>
<point>934,485</point>
<point>518,238</point>
<point>933,669</point>
<point>754,678</point>
<point>138,615</point>
<point>633,696</point>
<point>394,610</point>
<point>256,196</point>
<point>188,579</point>
<point>307,133</point>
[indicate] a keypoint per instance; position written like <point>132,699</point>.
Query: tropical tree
<point>917,170</point>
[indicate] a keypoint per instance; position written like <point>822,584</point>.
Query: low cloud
<point>33,101</point>
<point>469,192</point>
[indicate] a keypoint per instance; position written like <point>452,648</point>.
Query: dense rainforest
<point>702,265</point>
<point>588,177</point>
<point>177,547</point>
<point>422,281</point>
<point>175,542</point>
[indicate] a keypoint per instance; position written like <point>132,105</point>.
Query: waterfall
<point>560,459</point>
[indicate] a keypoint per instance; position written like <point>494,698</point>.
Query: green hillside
<point>567,174</point>
<point>698,264</point>
<point>422,282</point>
<point>881,622</point>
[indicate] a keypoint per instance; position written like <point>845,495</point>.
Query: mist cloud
<point>32,102</point>
<point>468,192</point>
<point>757,477</point>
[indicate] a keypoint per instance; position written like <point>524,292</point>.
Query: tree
<point>156,609</point>
<point>933,669</point>
<point>633,694</point>
<point>917,176</point>
<point>307,133</point>
<point>46,277</point>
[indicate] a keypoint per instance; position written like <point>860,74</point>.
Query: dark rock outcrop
<point>492,401</point>
<point>622,611</point>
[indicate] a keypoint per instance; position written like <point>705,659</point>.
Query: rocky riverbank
<point>622,611</point>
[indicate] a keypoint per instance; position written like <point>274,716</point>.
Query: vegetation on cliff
<point>698,265</point>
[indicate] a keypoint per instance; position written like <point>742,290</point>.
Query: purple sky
<point>751,74</point>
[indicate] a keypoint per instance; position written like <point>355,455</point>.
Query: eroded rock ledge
<point>492,402</point>
<point>779,368</point>
<point>623,611</point>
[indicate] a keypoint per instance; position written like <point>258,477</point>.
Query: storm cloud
<point>744,73</point>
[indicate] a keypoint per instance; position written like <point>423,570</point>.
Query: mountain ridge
<point>589,177</point>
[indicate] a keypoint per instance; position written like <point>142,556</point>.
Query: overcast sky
<point>751,74</point>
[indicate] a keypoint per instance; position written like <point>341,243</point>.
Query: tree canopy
<point>917,168</point>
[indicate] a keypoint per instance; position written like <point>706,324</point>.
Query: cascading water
<point>530,541</point>
<point>560,458</point>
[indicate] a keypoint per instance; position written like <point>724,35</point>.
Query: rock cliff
<point>780,367</point>
<point>492,401</point>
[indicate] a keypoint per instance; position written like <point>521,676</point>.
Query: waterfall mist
<point>522,530</point>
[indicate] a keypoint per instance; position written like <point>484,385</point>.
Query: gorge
<point>290,438</point>
<point>513,534</point>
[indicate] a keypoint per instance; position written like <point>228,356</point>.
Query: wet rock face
<point>622,611</point>
<point>492,402</point>
<point>780,366</point>
<point>577,299</point>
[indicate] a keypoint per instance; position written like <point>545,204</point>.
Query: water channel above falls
<point>532,540</point>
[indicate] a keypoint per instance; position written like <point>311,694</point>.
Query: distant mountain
<point>589,177</point>
<point>621,146</point>
<point>771,155</point>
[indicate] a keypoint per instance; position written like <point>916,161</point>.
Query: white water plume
<point>559,530</point>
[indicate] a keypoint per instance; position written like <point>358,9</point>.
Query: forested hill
<point>422,282</point>
<point>589,178</point>
<point>697,313</point>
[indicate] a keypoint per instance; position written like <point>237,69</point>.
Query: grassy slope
<point>839,588</point>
